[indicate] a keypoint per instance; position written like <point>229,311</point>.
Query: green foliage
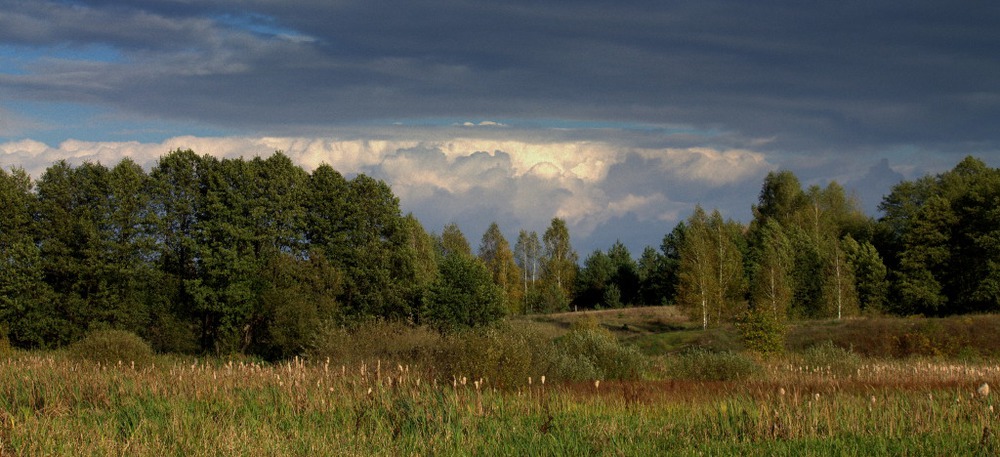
<point>594,353</point>
<point>502,354</point>
<point>453,241</point>
<point>26,300</point>
<point>373,339</point>
<point>833,359</point>
<point>527,255</point>
<point>771,256</point>
<point>112,346</point>
<point>233,255</point>
<point>547,297</point>
<point>655,284</point>
<point>294,302</point>
<point>593,280</point>
<point>559,264</point>
<point>762,331</point>
<point>712,283</point>
<point>464,295</point>
<point>941,241</point>
<point>870,275</point>
<point>494,251</point>
<point>609,280</point>
<point>796,253</point>
<point>704,365</point>
<point>780,198</point>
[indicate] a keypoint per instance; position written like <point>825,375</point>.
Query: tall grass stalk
<point>51,404</point>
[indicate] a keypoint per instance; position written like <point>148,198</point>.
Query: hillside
<point>658,330</point>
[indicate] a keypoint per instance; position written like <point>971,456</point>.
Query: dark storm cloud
<point>828,77</point>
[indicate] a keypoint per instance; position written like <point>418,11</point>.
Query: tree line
<point>232,255</point>
<point>812,253</point>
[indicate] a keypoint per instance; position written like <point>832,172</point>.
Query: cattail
<point>781,391</point>
<point>983,390</point>
<point>597,384</point>
<point>529,380</point>
<point>817,396</point>
<point>543,380</point>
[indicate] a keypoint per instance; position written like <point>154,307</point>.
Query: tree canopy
<point>201,254</point>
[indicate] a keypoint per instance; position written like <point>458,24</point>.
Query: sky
<point>616,116</point>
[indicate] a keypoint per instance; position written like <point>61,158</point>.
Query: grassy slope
<point>665,330</point>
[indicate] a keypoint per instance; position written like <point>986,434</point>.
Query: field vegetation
<point>385,388</point>
<point>251,307</point>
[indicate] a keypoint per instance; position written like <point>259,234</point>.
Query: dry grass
<point>51,405</point>
<point>820,401</point>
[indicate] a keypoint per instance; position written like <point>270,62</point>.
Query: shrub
<point>703,365</point>
<point>838,360</point>
<point>587,322</point>
<point>588,353</point>
<point>376,339</point>
<point>504,354</point>
<point>112,346</point>
<point>762,332</point>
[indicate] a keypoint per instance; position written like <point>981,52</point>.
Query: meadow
<point>821,400</point>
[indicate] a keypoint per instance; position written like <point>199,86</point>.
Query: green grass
<point>53,405</point>
<point>663,330</point>
<point>820,398</point>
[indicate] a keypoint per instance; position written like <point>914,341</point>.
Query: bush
<point>504,354</point>
<point>703,365</point>
<point>826,355</point>
<point>376,339</point>
<point>594,353</point>
<point>762,332</point>
<point>111,346</point>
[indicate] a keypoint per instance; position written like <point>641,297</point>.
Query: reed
<point>51,404</point>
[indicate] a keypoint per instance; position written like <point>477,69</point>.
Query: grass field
<point>824,400</point>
